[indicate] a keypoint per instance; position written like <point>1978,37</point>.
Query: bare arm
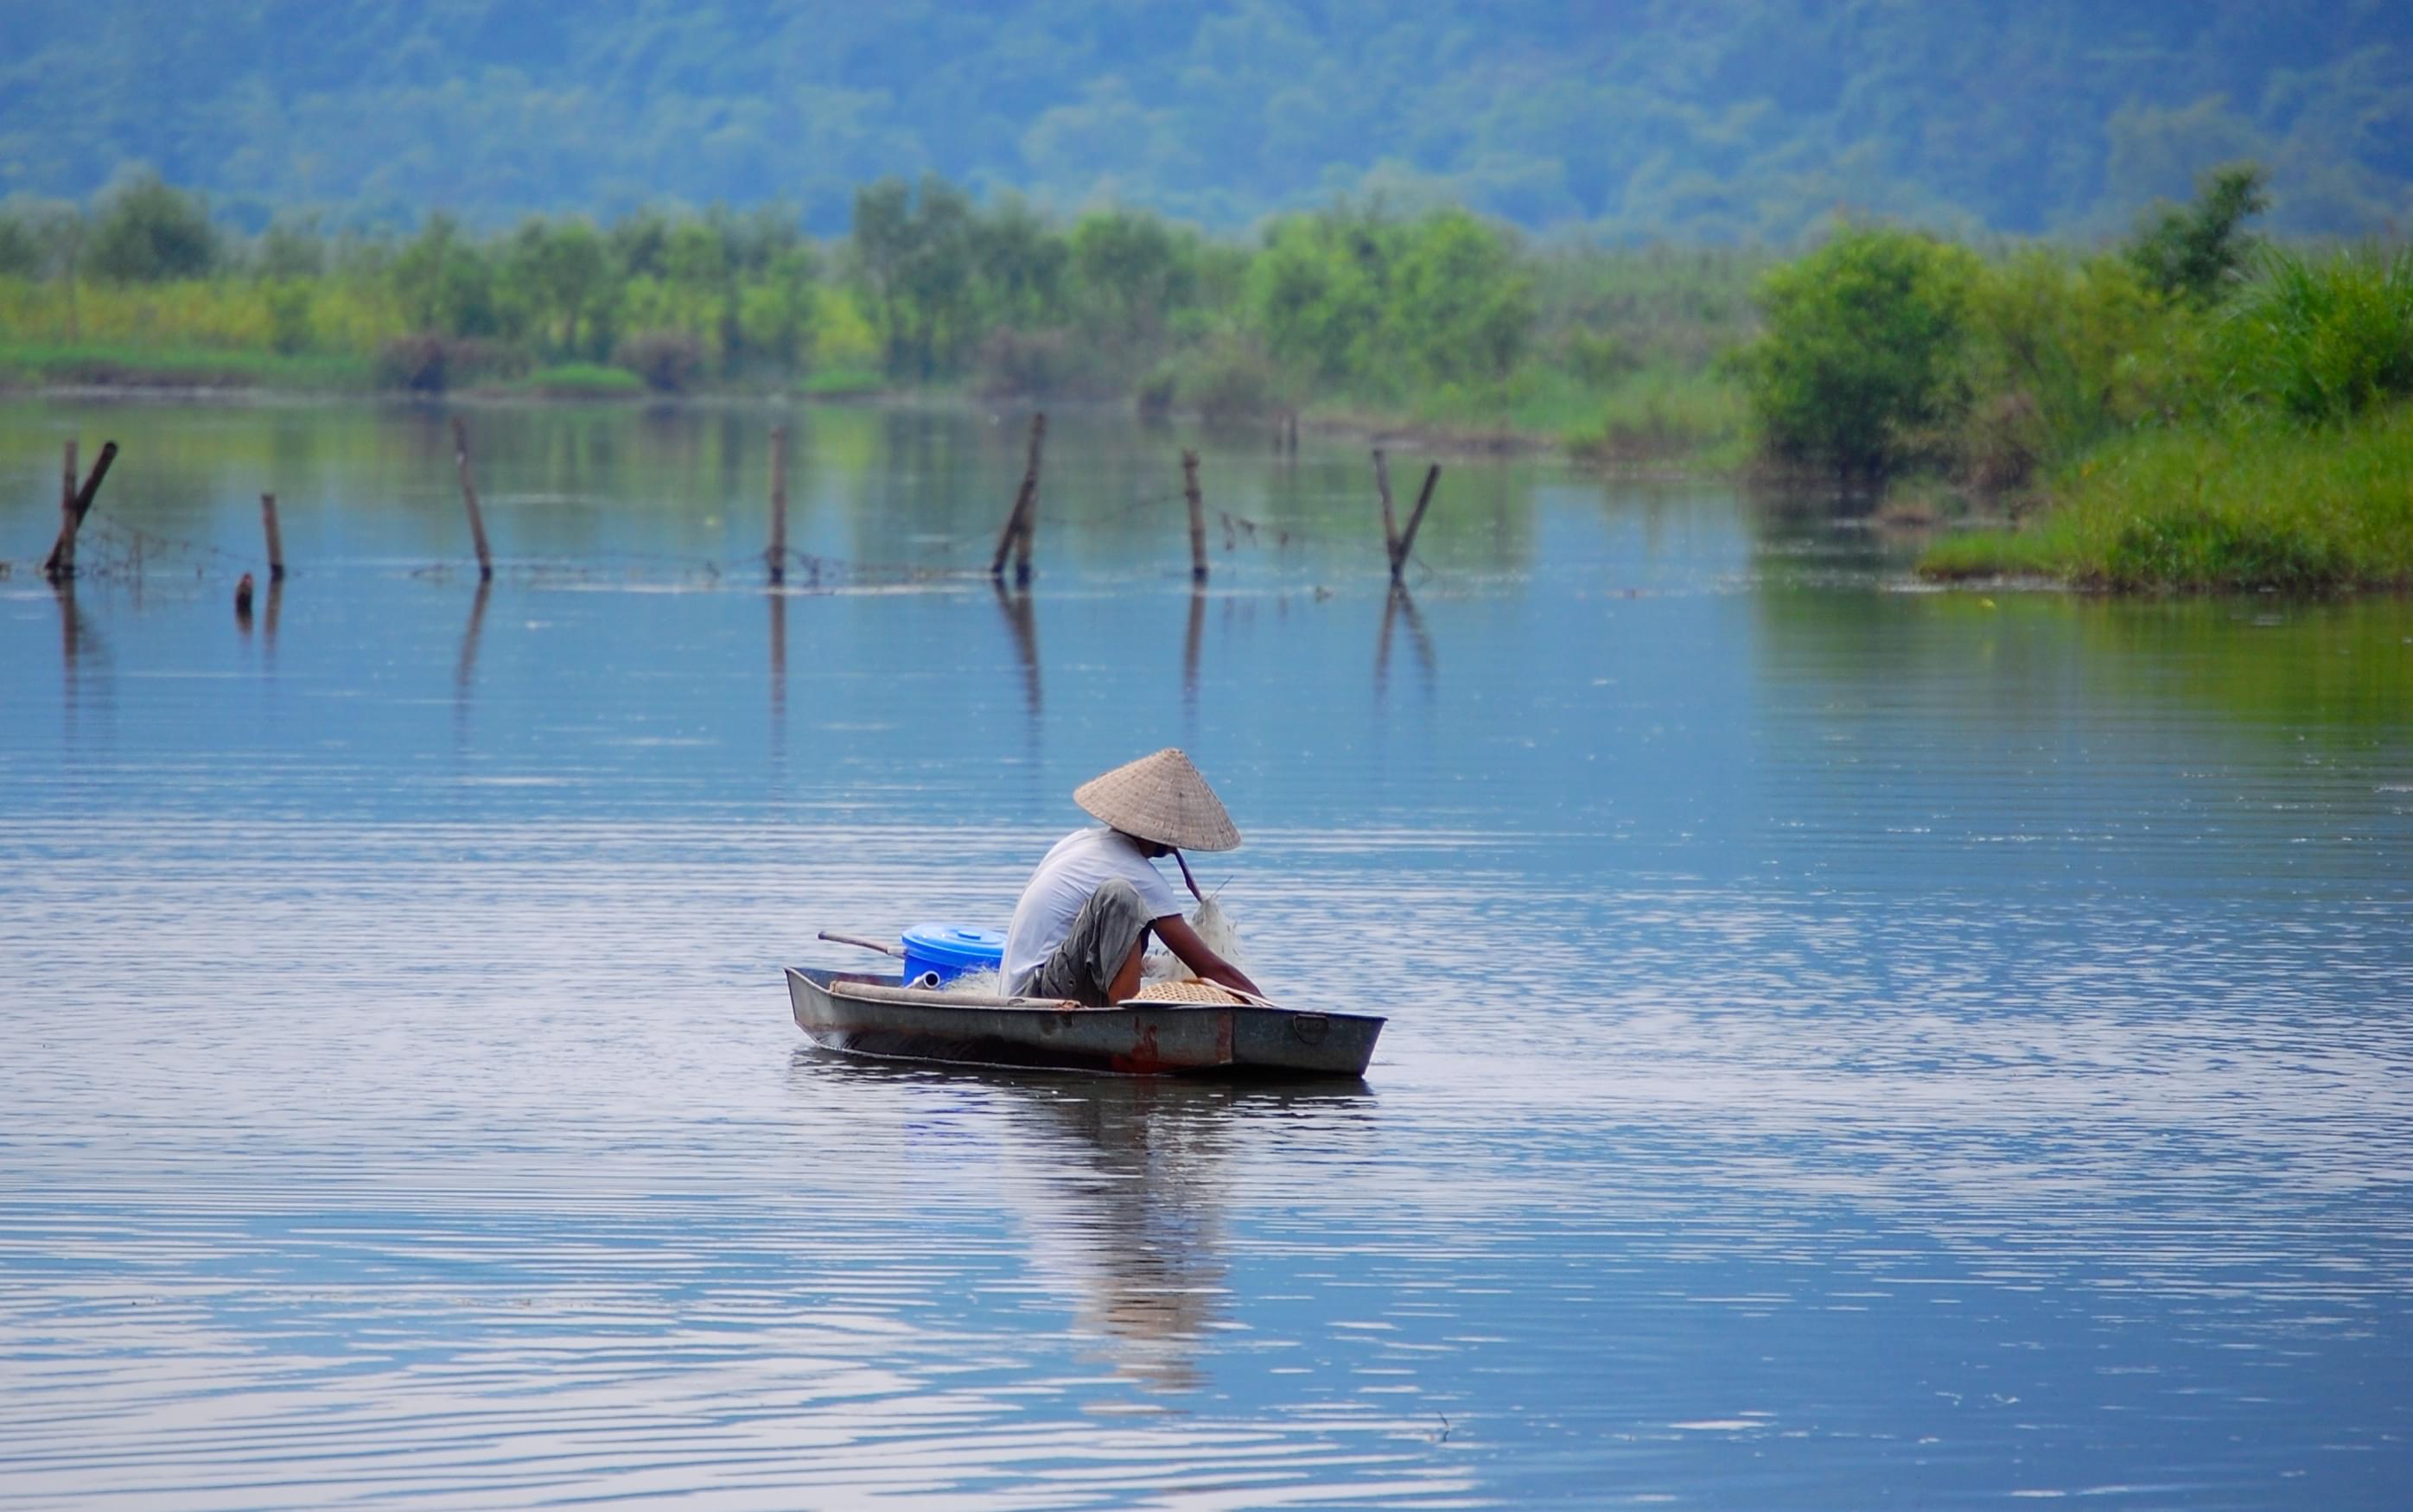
<point>1198,956</point>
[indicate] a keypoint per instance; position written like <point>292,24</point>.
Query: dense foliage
<point>1862,349</point>
<point>1347,303</point>
<point>1696,120</point>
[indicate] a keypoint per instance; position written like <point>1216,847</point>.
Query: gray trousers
<point>1100,940</point>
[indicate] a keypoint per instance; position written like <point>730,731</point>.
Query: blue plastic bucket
<point>950,950</point>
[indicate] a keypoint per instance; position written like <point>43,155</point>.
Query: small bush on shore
<point>426,362</point>
<point>1042,364</point>
<point>583,380</point>
<point>1230,379</point>
<point>667,361</point>
<point>1862,353</point>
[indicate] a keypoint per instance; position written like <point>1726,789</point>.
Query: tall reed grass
<point>2322,338</point>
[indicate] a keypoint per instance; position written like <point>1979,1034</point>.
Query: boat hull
<point>863,1015</point>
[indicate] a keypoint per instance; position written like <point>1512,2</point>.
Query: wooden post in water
<point>74,503</point>
<point>1022,522</point>
<point>275,538</point>
<point>1407,541</point>
<point>1197,516</point>
<point>1390,521</point>
<point>1030,504</point>
<point>778,554</point>
<point>242,601</point>
<point>63,554</point>
<point>469,498</point>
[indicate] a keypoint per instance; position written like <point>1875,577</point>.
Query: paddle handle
<point>882,946</point>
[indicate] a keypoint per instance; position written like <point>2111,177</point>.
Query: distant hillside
<point>1691,119</point>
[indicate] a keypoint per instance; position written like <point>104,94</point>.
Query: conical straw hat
<point>1160,798</point>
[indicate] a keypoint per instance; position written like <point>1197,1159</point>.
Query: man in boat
<point>1086,912</point>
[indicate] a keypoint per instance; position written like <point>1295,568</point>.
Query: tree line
<point>930,286</point>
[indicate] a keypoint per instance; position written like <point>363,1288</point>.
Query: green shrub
<point>1662,412</point>
<point>2066,352</point>
<point>669,362</point>
<point>1862,350</point>
<point>289,329</point>
<point>147,231</point>
<point>2324,338</point>
<point>1040,364</point>
<point>1231,379</point>
<point>583,380</point>
<point>429,362</point>
<point>2194,252</point>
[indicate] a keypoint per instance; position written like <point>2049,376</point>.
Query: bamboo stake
<point>64,554</point>
<point>275,538</point>
<point>1030,507</point>
<point>470,499</point>
<point>1197,516</point>
<point>778,556</point>
<point>1390,521</point>
<point>61,562</point>
<point>1021,521</point>
<point>1415,521</point>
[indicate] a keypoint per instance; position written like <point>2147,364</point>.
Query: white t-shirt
<point>1081,862</point>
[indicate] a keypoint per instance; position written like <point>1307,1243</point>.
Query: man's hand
<point>1198,956</point>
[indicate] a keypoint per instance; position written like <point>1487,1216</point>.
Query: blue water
<point>1848,1045</point>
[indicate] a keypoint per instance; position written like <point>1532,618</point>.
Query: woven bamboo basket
<point>1187,990</point>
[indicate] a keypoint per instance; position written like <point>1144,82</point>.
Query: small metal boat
<point>881,1016</point>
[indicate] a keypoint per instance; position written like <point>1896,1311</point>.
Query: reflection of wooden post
<point>1191,635</point>
<point>1197,517</point>
<point>275,541</point>
<point>1018,620</point>
<point>470,499</point>
<point>1022,522</point>
<point>778,671</point>
<point>778,556</point>
<point>464,671</point>
<point>1407,541</point>
<point>1390,521</point>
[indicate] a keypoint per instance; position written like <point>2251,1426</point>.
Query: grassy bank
<point>142,365</point>
<point>2257,504</point>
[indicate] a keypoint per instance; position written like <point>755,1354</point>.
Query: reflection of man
<point>1086,913</point>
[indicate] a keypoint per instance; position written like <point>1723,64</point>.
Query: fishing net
<point>1214,926</point>
<point>1159,968</point>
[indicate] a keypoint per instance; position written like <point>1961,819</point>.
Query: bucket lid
<point>958,945</point>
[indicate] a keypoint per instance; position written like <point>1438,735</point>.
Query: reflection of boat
<point>868,1014</point>
<point>1120,1187</point>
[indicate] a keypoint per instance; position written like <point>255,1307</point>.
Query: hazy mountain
<point>1718,119</point>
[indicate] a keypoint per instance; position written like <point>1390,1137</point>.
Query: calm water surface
<point>1847,1046</point>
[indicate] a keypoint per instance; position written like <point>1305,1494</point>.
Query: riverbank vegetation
<point>2193,409</point>
<point>1442,321</point>
<point>2190,408</point>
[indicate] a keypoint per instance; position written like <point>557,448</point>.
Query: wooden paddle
<point>867,944</point>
